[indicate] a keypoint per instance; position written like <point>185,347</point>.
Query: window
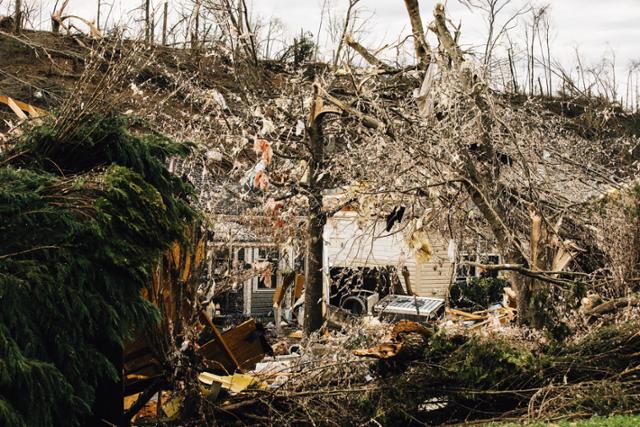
<point>271,255</point>
<point>466,271</point>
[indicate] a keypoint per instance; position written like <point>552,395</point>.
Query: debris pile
<point>104,244</point>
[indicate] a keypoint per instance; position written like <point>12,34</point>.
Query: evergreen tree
<point>83,220</point>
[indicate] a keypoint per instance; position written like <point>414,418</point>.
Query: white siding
<point>349,245</point>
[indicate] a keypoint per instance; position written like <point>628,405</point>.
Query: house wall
<point>262,302</point>
<point>349,245</point>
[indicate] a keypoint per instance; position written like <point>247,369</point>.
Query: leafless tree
<point>497,25</point>
<point>347,23</point>
<point>18,16</point>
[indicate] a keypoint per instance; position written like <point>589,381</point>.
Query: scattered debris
<point>496,315</point>
<point>404,334</point>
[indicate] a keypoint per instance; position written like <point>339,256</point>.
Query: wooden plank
<point>278,296</point>
<point>299,286</point>
<point>243,341</point>
<point>465,314</point>
<point>221,340</point>
<point>22,107</point>
<point>18,112</point>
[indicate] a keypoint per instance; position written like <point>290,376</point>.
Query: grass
<point>615,421</point>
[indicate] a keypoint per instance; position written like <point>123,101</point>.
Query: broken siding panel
<point>347,245</point>
<point>434,277</point>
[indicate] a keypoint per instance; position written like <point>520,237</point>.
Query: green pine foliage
<point>83,220</point>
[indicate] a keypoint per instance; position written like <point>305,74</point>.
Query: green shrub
<point>477,293</point>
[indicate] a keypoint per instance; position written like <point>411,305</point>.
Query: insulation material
<point>419,242</point>
<point>262,148</point>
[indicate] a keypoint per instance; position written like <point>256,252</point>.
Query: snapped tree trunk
<point>523,286</point>
<point>480,171</point>
<point>422,49</point>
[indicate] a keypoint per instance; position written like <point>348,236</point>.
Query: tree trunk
<point>423,51</point>
<point>195,31</point>
<point>147,19</point>
<point>108,405</point>
<point>98,16</point>
<point>317,219</point>
<point>18,17</point>
<point>314,287</point>
<point>164,23</point>
<point>481,170</point>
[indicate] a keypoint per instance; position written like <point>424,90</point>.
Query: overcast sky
<point>596,27</point>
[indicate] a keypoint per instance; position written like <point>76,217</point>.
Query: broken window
<point>271,255</point>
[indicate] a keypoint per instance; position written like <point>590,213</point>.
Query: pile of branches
<point>440,378</point>
<point>460,377</point>
<point>86,212</point>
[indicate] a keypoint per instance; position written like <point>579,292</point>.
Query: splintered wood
<point>479,319</point>
<point>21,109</point>
<point>403,337</point>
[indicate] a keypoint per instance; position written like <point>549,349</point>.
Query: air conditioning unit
<point>419,309</point>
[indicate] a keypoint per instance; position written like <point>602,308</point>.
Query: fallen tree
<point>86,214</point>
<point>435,377</point>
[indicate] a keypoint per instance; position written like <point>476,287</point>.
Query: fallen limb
<point>368,56</point>
<point>368,121</point>
<point>613,305</point>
